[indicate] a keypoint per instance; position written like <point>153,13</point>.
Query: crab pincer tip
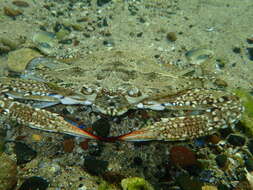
<point>137,136</point>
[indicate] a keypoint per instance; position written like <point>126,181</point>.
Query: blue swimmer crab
<point>112,83</point>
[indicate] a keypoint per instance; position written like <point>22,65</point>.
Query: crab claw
<point>207,112</point>
<point>41,119</point>
<point>177,128</point>
<point>170,129</point>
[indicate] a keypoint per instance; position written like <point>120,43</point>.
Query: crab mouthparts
<point>112,105</point>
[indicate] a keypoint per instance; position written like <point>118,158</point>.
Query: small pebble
<point>137,161</point>
<point>95,149</point>
<point>102,2</point>
<point>36,137</point>
<point>220,83</point>
<point>209,187</point>
<point>20,3</point>
<point>250,40</point>
<point>237,50</point>
<point>66,41</point>
<point>108,43</point>
<point>77,27</point>
<point>182,156</point>
<point>68,145</point>
<point>171,36</point>
<point>214,139</point>
<point>84,144</point>
<point>236,140</point>
<point>199,56</point>
<point>225,132</point>
<point>12,12</point>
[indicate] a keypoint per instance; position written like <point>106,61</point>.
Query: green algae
<point>247,116</point>
<point>106,186</point>
<point>136,183</point>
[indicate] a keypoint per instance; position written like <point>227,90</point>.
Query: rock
<point>46,42</point>
<point>13,42</point>
<point>4,49</point>
<point>18,59</point>
<point>62,33</point>
<point>182,156</point>
<point>236,140</point>
<point>95,166</point>
<point>188,183</point>
<point>34,182</point>
<point>221,160</point>
<point>47,168</point>
<point>8,172</point>
<point>225,132</point>
<point>136,183</point>
<point>101,127</point>
<point>237,50</point>
<point>24,153</point>
<point>249,165</point>
<point>250,146</point>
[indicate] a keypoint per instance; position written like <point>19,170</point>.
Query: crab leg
<point>209,111</point>
<point>47,93</point>
<point>40,119</point>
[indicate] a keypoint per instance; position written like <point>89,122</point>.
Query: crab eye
<point>87,90</point>
<point>135,92</point>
